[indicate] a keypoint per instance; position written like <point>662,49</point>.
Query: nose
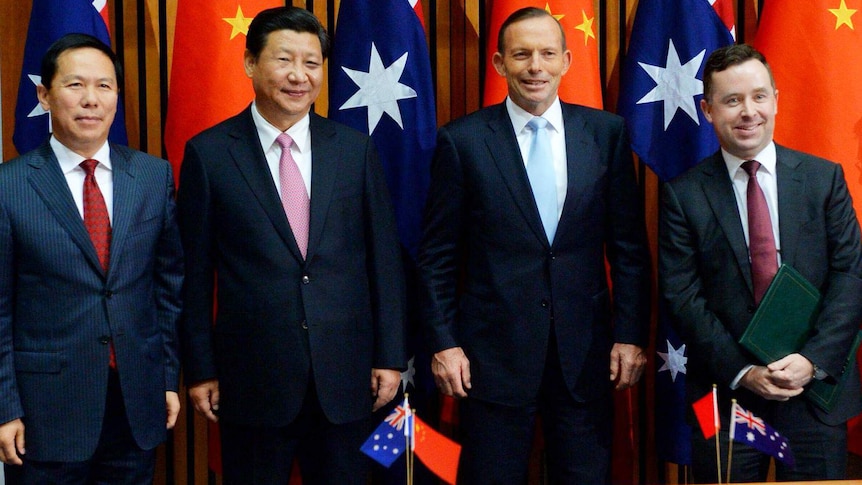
<point>90,97</point>
<point>535,62</point>
<point>297,73</point>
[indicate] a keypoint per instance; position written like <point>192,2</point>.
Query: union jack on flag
<point>742,426</point>
<point>397,417</point>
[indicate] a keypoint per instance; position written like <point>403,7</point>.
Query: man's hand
<point>12,442</point>
<point>205,397</point>
<point>172,405</point>
<point>627,365</point>
<point>792,372</point>
<point>384,385</point>
<point>759,380</point>
<point>451,370</point>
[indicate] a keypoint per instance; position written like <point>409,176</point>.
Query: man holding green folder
<point>725,227</point>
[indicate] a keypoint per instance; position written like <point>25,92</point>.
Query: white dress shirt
<point>70,165</point>
<point>300,149</point>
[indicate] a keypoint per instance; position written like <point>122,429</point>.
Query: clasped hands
<point>780,380</point>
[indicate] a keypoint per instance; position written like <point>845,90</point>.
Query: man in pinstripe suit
<point>90,277</point>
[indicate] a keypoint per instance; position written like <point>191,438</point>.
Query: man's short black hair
<point>71,42</point>
<point>284,18</point>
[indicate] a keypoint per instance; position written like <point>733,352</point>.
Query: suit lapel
<point>719,192</point>
<point>791,203</point>
<point>249,158</point>
<point>49,182</point>
<point>503,146</point>
<point>582,165</point>
<point>127,196</point>
<point>324,162</point>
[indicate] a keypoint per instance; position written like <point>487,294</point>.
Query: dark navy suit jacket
<point>494,281</point>
<point>281,319</point>
<point>705,272</point>
<point>58,309</point>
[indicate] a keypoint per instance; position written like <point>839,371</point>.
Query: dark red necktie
<point>97,222</point>
<point>761,239</point>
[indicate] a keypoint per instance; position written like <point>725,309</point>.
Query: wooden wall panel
<point>144,31</point>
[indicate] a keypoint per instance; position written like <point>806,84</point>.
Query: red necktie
<point>97,222</point>
<point>761,239</point>
<point>294,197</point>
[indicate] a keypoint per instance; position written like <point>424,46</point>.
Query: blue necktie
<point>540,170</point>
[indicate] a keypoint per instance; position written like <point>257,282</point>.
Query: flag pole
<point>408,438</point>
<point>731,434</point>
<point>717,424</point>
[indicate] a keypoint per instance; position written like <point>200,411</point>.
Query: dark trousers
<point>496,439</point>
<point>820,450</point>
<point>117,460</point>
<point>327,453</point>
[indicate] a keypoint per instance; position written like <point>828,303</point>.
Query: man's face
<point>82,99</point>
<point>533,62</point>
<point>742,108</point>
<point>286,76</point>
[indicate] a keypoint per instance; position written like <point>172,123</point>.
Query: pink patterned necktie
<point>98,224</point>
<point>294,196</point>
<point>761,239</point>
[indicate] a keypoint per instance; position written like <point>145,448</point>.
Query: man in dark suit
<point>90,279</point>
<point>310,294</point>
<point>518,312</point>
<point>711,285</point>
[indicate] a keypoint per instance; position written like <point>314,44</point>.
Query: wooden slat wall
<point>143,32</point>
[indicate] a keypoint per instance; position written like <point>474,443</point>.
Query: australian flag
<point>50,20</point>
<point>380,84</point>
<point>661,89</point>
<point>390,439</point>
<point>747,428</point>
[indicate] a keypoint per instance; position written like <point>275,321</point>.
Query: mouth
<point>89,120</point>
<point>748,129</point>
<point>534,83</point>
<point>294,93</point>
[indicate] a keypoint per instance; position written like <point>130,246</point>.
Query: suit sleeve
<point>194,214</point>
<point>169,276</point>
<point>626,243</point>
<point>385,269</point>
<point>439,251</point>
<point>10,401</point>
<point>841,311</point>
<point>683,295</point>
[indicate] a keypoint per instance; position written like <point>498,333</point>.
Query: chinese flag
<point>208,81</point>
<point>437,452</point>
<point>815,51</point>
<point>706,410</point>
<point>582,84</point>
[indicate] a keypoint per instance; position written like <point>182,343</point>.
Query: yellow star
<point>239,23</point>
<point>587,27</point>
<point>843,15</point>
<point>548,9</point>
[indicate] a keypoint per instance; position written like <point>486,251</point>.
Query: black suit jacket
<point>493,279</point>
<point>59,310</point>
<point>337,314</point>
<point>705,272</point>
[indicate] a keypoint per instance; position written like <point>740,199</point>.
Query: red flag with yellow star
<point>207,80</point>
<point>582,84</point>
<point>815,51</point>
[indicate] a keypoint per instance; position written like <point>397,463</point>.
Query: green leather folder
<point>783,323</point>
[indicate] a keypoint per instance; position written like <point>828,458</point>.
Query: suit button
<point>304,325</point>
<point>305,279</point>
<point>104,340</point>
<point>545,304</point>
<point>109,293</point>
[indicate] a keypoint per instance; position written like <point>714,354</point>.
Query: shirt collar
<point>267,132</point>
<point>767,159</point>
<point>69,160</point>
<point>520,117</point>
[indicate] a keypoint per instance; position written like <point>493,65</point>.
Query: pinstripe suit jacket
<point>57,307</point>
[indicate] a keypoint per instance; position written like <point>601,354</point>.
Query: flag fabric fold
<point>582,84</point>
<point>380,84</point>
<point>706,410</point>
<point>207,79</point>
<point>660,92</point>
<point>747,428</point>
<point>50,20</point>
